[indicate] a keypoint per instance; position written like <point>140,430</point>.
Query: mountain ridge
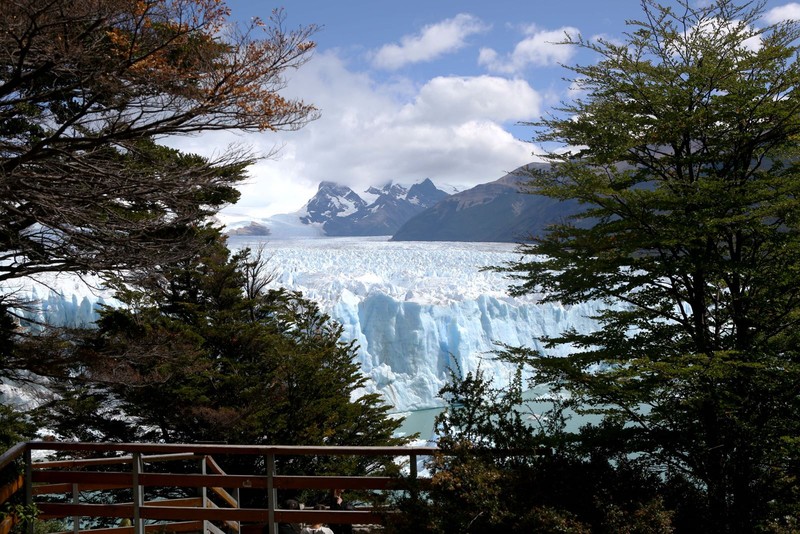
<point>498,211</point>
<point>336,210</point>
<point>342,212</point>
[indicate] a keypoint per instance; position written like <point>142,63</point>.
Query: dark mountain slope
<point>496,211</point>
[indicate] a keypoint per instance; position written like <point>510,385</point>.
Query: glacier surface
<point>59,299</point>
<point>415,309</point>
<point>418,309</point>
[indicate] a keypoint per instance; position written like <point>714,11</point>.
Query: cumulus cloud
<point>778,14</point>
<point>538,49</point>
<point>432,42</point>
<point>450,129</point>
<point>449,100</point>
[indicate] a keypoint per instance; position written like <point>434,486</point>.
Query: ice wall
<point>418,309</point>
<point>59,299</point>
<point>415,309</point>
<point>407,347</point>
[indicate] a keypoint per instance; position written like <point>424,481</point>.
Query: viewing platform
<point>181,487</point>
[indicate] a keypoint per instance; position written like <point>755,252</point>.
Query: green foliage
<point>682,150</point>
<point>22,514</point>
<point>504,466</point>
<point>690,241</point>
<point>88,88</point>
<point>27,514</point>
<point>51,525</point>
<point>193,358</point>
<point>14,426</point>
<point>7,335</point>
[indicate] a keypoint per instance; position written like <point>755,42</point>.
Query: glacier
<point>418,309</point>
<point>414,309</point>
<point>59,299</point>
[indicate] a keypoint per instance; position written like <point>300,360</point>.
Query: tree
<point>504,466</point>
<point>87,88</point>
<point>198,354</point>
<point>682,149</point>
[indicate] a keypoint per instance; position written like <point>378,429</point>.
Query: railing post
<point>76,520</point>
<point>238,499</point>
<point>272,494</point>
<point>412,471</point>
<point>138,494</point>
<point>28,486</point>
<point>203,490</point>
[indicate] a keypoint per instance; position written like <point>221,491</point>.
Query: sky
<point>417,89</point>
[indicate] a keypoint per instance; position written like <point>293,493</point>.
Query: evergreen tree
<point>193,357</point>
<point>85,88</point>
<point>505,466</point>
<point>683,150</point>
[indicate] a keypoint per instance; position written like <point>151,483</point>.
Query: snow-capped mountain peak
<point>379,210</point>
<point>418,193</point>
<point>332,200</point>
<point>336,210</point>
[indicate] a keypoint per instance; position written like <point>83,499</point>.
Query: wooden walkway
<point>57,487</point>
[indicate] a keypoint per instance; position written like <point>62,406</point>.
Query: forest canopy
<point>682,146</point>
<point>89,91</point>
<point>88,88</point>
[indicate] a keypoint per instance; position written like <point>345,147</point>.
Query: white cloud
<point>432,42</point>
<point>716,26</point>
<point>778,14</point>
<point>449,100</point>
<point>538,49</point>
<point>450,130</point>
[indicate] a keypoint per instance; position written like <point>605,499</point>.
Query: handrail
<point>12,454</point>
<point>71,476</point>
<point>80,462</point>
<point>204,448</point>
<point>11,488</point>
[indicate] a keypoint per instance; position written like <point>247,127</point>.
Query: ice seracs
<point>418,309</point>
<point>415,309</point>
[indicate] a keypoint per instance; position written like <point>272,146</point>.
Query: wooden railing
<point>216,508</point>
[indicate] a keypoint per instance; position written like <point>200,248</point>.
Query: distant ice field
<point>422,272</point>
